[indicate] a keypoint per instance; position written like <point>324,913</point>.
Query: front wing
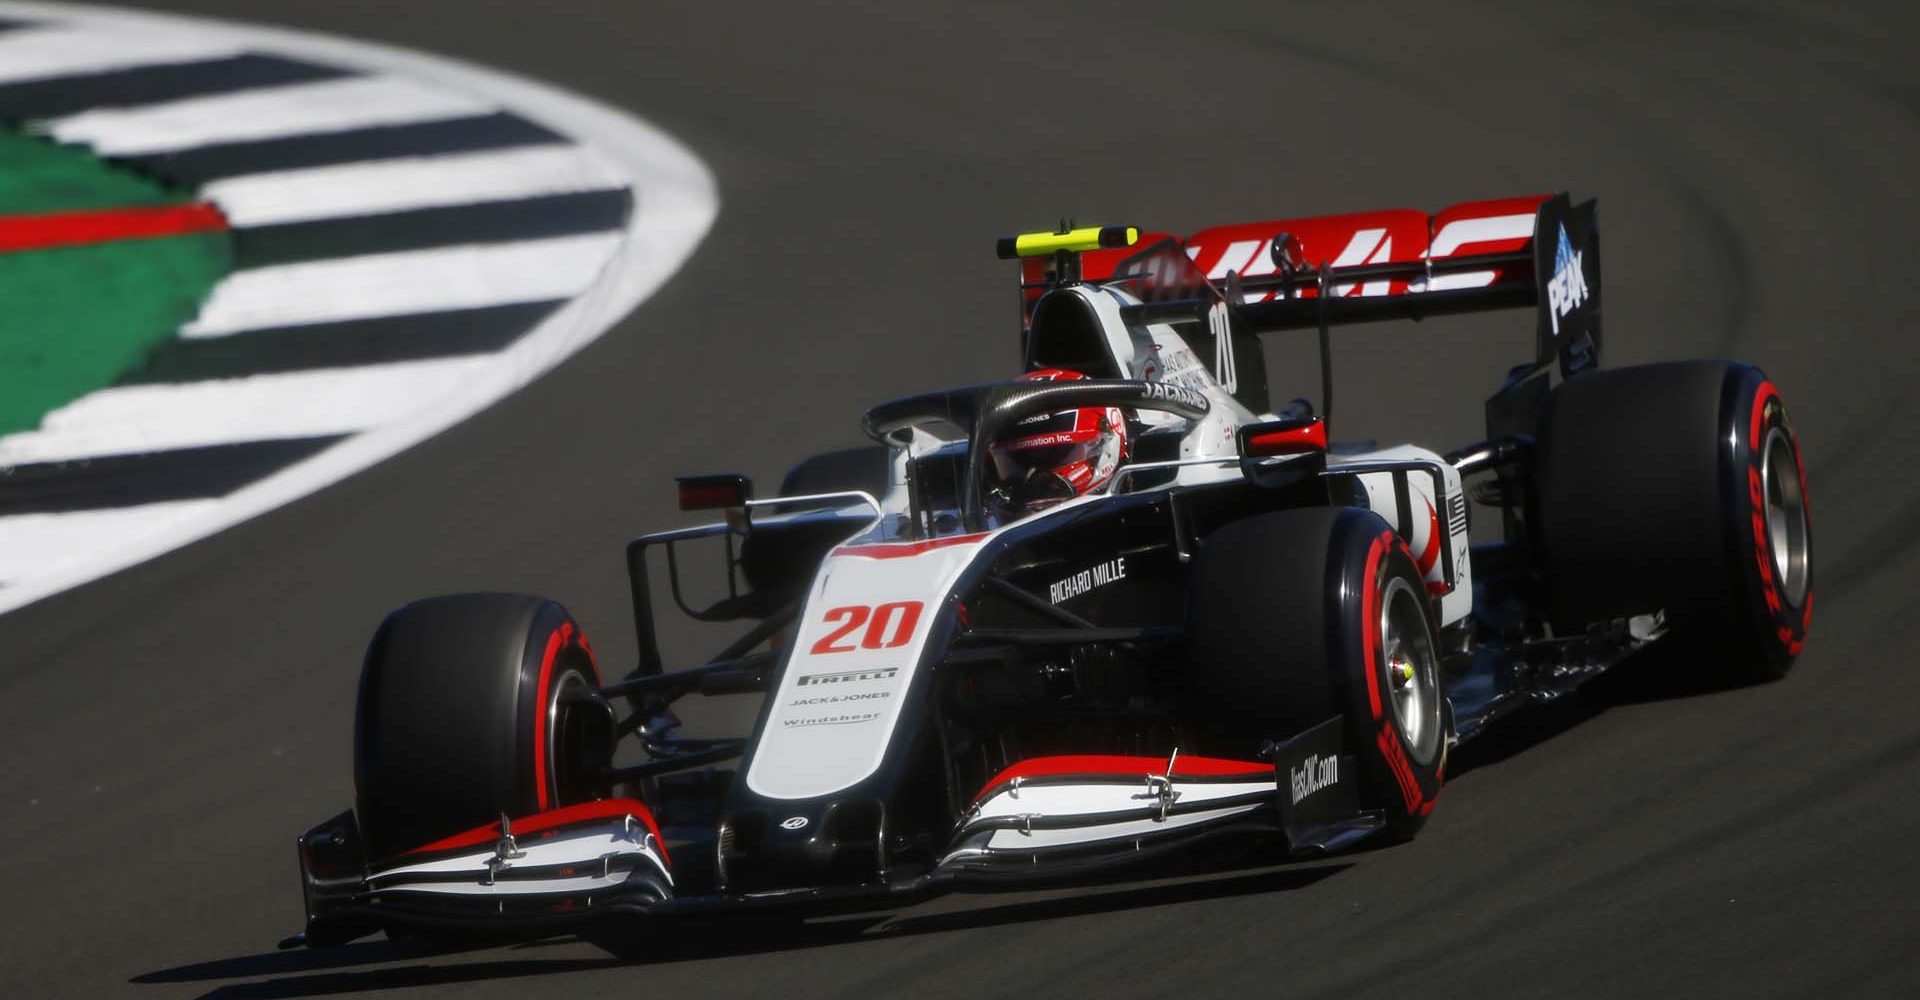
<point>1042,819</point>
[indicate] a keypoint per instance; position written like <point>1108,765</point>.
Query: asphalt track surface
<point>168,730</point>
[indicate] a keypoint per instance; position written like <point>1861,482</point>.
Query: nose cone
<point>816,843</point>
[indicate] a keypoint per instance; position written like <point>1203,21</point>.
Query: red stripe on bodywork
<point>1308,437</point>
<point>61,229</point>
<point>1431,554</point>
<point>552,820</point>
<point>1101,764</point>
<point>901,550</point>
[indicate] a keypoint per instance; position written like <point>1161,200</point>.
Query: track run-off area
<point>172,727</point>
<point>407,239</point>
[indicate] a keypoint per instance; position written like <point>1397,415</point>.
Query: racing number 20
<point>888,625</point>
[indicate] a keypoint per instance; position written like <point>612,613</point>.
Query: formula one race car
<point>1109,610</point>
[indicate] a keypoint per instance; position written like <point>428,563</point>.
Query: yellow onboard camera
<point>1067,240</point>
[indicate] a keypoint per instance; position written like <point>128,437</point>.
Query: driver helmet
<point>1051,457</point>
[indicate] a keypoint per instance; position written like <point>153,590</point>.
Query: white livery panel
<point>1434,525</point>
<point>860,640</point>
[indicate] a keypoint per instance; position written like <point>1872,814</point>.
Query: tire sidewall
<point>453,726</point>
<point>1775,626</point>
<point>1365,557</point>
<point>556,650</point>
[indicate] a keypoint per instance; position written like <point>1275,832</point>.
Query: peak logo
<point>1567,289</point>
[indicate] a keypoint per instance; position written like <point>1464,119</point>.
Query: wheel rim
<point>560,770</point>
<point>1786,515</point>
<point>1411,670</point>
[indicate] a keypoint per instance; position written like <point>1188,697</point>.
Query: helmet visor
<point>1044,452</point>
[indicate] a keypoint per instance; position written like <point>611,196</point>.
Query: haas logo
<point>1567,289</point>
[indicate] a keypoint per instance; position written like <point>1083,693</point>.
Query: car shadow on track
<point>1667,670</point>
<point>326,971</point>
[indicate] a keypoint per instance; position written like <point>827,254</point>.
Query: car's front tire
<point>471,706</point>
<point>1301,615</point>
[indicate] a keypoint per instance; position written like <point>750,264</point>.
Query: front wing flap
<point>1056,815</point>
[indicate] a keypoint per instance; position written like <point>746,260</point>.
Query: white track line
<point>396,284</point>
<point>35,546</point>
<point>676,202</point>
<point>409,183</point>
<point>32,53</point>
<point>133,419</point>
<point>262,113</point>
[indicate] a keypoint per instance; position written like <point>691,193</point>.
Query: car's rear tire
<point>471,706</point>
<point>1301,615</point>
<point>1678,487</point>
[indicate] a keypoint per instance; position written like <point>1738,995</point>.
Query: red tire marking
<point>1389,742</point>
<point>1762,546</point>
<point>1370,615</point>
<point>62,229</point>
<point>1761,396</point>
<point>555,642</point>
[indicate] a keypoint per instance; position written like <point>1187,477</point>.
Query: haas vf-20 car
<point>1194,616</point>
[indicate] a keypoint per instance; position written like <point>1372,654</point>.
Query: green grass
<point>40,176</point>
<point>73,319</point>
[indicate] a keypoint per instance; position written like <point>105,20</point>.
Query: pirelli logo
<point>844,676</point>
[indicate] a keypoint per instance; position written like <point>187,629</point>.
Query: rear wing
<point>1539,251</point>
